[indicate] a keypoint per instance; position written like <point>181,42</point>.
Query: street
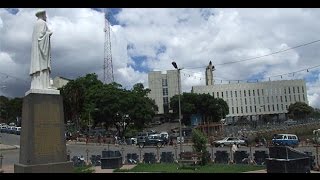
<point>77,149</point>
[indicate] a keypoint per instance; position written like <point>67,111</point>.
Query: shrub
<point>200,145</point>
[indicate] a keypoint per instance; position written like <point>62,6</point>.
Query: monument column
<point>42,139</point>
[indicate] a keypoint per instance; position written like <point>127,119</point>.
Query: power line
<point>256,79</point>
<point>250,59</point>
<point>7,75</point>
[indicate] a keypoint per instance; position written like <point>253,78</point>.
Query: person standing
<point>234,148</point>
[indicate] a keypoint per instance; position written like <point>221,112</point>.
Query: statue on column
<point>40,67</point>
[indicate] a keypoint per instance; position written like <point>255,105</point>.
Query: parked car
<point>17,130</point>
<point>290,122</point>
<point>285,140</point>
<point>11,129</point>
<point>151,140</point>
<point>3,128</point>
<point>228,141</point>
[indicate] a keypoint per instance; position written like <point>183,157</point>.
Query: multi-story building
<point>163,87</point>
<point>58,82</point>
<point>254,99</point>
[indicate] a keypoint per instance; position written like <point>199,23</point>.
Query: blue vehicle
<point>285,140</point>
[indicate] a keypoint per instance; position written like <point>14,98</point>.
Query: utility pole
<point>179,89</point>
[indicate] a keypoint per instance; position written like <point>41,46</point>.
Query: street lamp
<point>179,89</point>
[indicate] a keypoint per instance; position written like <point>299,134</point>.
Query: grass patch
<point>83,169</point>
<point>210,168</point>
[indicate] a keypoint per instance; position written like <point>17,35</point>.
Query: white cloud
<point>191,37</point>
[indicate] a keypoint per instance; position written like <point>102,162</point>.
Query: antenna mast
<point>107,67</point>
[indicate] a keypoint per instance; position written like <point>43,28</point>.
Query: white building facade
<point>254,99</point>
<point>59,82</point>
<point>163,87</point>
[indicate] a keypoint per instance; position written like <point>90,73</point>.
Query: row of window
<point>253,109</point>
<point>269,92</point>
<point>273,99</point>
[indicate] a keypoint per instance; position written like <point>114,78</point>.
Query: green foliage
<point>210,168</point>
<point>300,110</point>
<point>84,169</point>
<point>212,109</point>
<point>10,109</point>
<point>200,145</point>
<point>88,101</point>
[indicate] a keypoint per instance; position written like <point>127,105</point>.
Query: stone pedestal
<point>42,139</point>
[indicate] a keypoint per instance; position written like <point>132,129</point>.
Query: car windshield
<point>277,136</point>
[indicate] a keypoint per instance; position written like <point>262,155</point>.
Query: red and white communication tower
<point>107,66</point>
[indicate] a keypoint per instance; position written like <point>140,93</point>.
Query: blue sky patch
<point>161,49</point>
<point>12,10</point>
<point>138,63</point>
<point>112,12</point>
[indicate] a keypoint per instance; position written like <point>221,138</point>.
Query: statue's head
<point>41,14</point>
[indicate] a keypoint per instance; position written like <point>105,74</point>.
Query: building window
<point>227,94</point>
<point>294,98</point>
<point>221,94</point>
<point>217,94</point>
<point>264,108</point>
<point>285,98</point>
<point>231,93</point>
<point>165,91</point>
<point>298,89</point>
<point>285,90</point>
<point>262,92</point>
<point>245,101</point>
<point>232,110</point>
<point>289,90</point>
<point>255,108</point>
<point>303,97</point>
<point>269,108</point>
<point>213,94</point>
<point>258,92</point>
<point>254,100</point>
<point>272,99</point>
<point>277,107</point>
<point>246,109</point>
<point>290,98</point>
<point>240,101</point>
<point>299,97</point>
<point>240,93</point>
<point>244,93</point>
<point>231,102</point>
<point>281,99</point>
<point>250,109</point>
<point>235,93</point>
<point>293,90</point>
<point>282,107</point>
<point>286,107</point>
<point>249,93</point>
<point>268,99</point>
<point>302,89</point>
<point>259,100</point>
<point>250,101</point>
<point>272,107</point>
<point>165,100</point>
<point>241,109</point>
<point>164,82</point>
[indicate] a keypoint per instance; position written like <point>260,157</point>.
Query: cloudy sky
<point>144,40</point>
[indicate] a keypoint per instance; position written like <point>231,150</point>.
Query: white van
<point>285,140</point>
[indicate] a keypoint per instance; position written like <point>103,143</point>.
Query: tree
<point>10,109</point>
<point>300,110</point>
<point>212,109</point>
<point>200,145</point>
